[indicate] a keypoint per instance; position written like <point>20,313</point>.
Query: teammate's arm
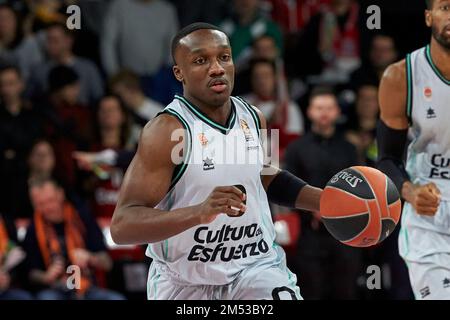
<point>285,189</point>
<point>148,178</point>
<point>392,137</point>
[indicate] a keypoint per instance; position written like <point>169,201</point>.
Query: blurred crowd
<point>73,103</point>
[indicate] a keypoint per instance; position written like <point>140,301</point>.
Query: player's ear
<point>428,18</point>
<point>178,74</point>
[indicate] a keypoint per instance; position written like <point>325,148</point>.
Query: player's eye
<point>445,7</point>
<point>199,61</point>
<point>225,57</point>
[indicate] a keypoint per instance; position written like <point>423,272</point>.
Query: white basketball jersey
<point>428,109</point>
<point>429,112</point>
<point>215,253</point>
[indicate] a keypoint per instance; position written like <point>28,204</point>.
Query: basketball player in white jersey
<point>208,223</point>
<point>415,94</point>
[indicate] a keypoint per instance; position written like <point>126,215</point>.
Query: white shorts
<point>431,280</point>
<point>424,244</point>
<point>253,283</point>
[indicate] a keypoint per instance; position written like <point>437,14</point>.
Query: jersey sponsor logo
<point>247,132</point>
<point>431,113</point>
<point>347,177</point>
<point>229,246</point>
<point>441,167</point>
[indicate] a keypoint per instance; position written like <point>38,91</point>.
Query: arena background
<point>55,107</point>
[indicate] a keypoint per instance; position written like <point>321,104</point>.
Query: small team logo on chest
<point>428,93</point>
<point>203,140</point>
<point>247,132</point>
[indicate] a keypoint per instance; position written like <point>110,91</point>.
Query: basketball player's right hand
<point>222,200</point>
<point>426,199</point>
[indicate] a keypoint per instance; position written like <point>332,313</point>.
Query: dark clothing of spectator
<point>17,272</point>
<point>17,134</point>
<point>327,268</point>
<point>91,235</point>
<point>69,128</point>
<point>91,83</point>
<point>366,74</point>
<point>190,11</point>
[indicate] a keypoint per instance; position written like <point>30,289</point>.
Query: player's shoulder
<point>395,72</point>
<point>253,108</point>
<point>161,127</point>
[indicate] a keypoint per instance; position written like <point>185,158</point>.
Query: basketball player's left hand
<point>426,199</point>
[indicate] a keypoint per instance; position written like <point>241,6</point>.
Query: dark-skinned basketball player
<point>207,221</point>
<point>415,94</point>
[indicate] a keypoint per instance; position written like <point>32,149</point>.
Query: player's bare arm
<point>393,101</point>
<point>308,198</point>
<point>147,181</point>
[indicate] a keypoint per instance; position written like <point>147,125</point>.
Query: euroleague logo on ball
<point>347,177</point>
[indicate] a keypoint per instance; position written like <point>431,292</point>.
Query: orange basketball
<point>360,206</point>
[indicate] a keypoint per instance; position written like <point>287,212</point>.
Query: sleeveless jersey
<point>428,109</point>
<point>429,112</point>
<point>217,155</point>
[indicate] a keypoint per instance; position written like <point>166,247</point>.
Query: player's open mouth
<point>218,86</point>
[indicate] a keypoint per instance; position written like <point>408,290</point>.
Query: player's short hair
<point>429,4</point>
<point>188,30</point>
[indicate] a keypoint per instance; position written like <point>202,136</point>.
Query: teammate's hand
<point>426,199</point>
<point>226,200</point>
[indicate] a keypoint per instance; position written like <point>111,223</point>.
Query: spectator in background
<point>329,47</point>
<point>11,257</point>
<point>46,12</point>
<point>282,114</point>
<point>137,35</point>
<point>19,127</point>
<point>41,165</point>
<point>60,236</point>
<point>126,85</point>
<point>59,44</point>
<point>382,54</point>
<point>363,133</point>
<point>328,269</point>
<point>190,11</point>
<point>15,47</point>
<point>112,133</point>
<point>293,15</point>
<point>264,47</point>
<point>68,124</point>
<point>41,161</point>
<point>245,26</point>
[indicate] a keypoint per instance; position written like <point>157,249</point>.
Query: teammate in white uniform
<point>206,218</point>
<point>415,93</point>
